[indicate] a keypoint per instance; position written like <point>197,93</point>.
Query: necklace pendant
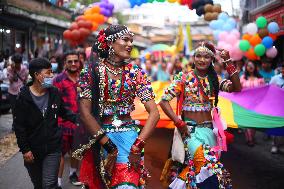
<point>116,122</point>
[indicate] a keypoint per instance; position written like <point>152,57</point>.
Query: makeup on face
<point>123,46</point>
<point>202,60</point>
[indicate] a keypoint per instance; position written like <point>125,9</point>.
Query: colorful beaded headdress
<point>102,41</point>
<point>203,49</point>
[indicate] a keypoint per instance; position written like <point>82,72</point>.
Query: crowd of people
<point>82,107</point>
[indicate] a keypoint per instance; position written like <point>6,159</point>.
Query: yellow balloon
<point>172,1</point>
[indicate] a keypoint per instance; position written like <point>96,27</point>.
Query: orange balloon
<point>255,40</point>
<point>246,37</point>
<point>98,18</point>
<point>250,54</point>
<point>88,12</point>
<point>95,9</point>
<point>95,26</point>
<point>88,17</point>
<point>273,36</point>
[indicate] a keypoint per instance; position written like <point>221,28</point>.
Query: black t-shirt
<point>41,101</point>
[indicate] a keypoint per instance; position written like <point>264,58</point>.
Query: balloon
<point>273,36</point>
<point>227,27</point>
<point>263,32</point>
<point>267,42</point>
<point>273,27</point>
<point>200,10</point>
<point>244,45</point>
<point>208,2</point>
<point>236,33</point>
<point>79,18</point>
<point>160,1</point>
<point>222,36</point>
<point>223,16</point>
<point>94,26</point>
<point>95,9</point>
<point>217,8</point>
<point>85,24</point>
<point>208,16</point>
<point>271,53</point>
<point>67,34</point>
<point>259,49</point>
<point>250,54</point>
<point>74,26</point>
<point>261,22</point>
<point>231,39</point>
<point>255,40</point>
<point>251,28</point>
<point>219,24</point>
<point>84,32</point>
<point>232,22</point>
<point>208,8</point>
<point>88,12</point>
<point>75,35</point>
<point>246,37</point>
<point>172,1</point>
<point>216,34</point>
<point>236,53</point>
<point>215,15</point>
<point>151,1</point>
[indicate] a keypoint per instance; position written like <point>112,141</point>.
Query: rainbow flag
<point>261,107</point>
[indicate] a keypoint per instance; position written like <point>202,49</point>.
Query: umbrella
<point>159,47</point>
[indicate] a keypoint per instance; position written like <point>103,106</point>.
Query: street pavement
<point>250,167</point>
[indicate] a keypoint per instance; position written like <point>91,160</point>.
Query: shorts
<point>67,144</point>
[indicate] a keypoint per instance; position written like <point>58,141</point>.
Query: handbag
<point>178,152</point>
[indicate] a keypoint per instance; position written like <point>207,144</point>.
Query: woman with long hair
<point>108,89</point>
<point>201,167</point>
<point>250,79</point>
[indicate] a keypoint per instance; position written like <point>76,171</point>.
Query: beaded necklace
<point>112,86</point>
<point>202,91</point>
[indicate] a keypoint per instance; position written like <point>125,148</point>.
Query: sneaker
<point>274,150</point>
<point>74,179</point>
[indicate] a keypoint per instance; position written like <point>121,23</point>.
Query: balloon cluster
<point>84,24</point>
<point>258,39</point>
<point>212,11</point>
<point>226,35</point>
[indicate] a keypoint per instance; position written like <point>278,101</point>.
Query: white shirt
<point>278,80</point>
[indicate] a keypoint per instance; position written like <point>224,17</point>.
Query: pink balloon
<point>231,39</point>
<point>228,47</point>
<point>221,45</point>
<point>223,35</point>
<point>236,33</point>
<point>271,53</point>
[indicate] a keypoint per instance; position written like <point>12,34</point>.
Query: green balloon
<point>261,22</point>
<point>259,49</point>
<point>244,45</point>
<point>160,1</point>
<point>151,1</point>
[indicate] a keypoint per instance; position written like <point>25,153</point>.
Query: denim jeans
<point>44,171</point>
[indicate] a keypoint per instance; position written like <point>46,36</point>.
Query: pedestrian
<point>37,108</point>
<point>277,80</point>
<point>251,79</point>
<point>194,90</point>
<point>66,83</point>
<point>266,71</point>
<point>108,90</point>
<point>17,73</point>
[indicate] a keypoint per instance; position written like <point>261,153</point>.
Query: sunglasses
<point>71,61</point>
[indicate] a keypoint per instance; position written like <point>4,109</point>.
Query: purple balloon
<point>110,6</point>
<point>103,5</point>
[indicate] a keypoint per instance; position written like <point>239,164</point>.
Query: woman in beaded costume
<point>108,89</point>
<point>201,168</point>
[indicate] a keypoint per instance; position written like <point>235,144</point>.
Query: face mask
<point>47,82</point>
<point>54,67</point>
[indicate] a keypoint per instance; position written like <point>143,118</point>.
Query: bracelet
<point>180,123</point>
<point>99,135</point>
<point>139,144</point>
<point>231,69</point>
<point>226,61</point>
<point>109,146</point>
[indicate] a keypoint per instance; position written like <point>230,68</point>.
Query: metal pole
<point>232,8</point>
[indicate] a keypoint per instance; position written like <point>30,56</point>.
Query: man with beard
<point>66,82</point>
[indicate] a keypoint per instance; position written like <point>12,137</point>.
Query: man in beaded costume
<point>108,89</point>
<point>200,168</point>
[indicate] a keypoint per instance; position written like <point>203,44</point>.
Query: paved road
<point>251,168</point>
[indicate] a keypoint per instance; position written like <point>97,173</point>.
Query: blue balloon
<point>232,22</point>
<point>219,24</point>
<point>216,34</point>
<point>223,16</point>
<point>273,27</point>
<point>212,24</point>
<point>132,3</point>
<point>227,27</point>
<point>267,42</point>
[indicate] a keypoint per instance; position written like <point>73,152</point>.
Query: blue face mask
<point>47,82</point>
<point>54,67</point>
